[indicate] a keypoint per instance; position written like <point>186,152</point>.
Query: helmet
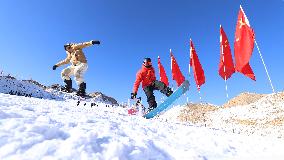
<point>147,59</point>
<point>147,62</point>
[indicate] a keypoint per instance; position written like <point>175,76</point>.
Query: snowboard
<point>166,104</point>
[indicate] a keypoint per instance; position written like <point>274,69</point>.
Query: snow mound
<point>10,85</point>
<point>98,96</point>
<point>31,88</point>
<point>172,114</point>
<point>196,112</point>
<point>264,115</point>
<point>243,99</point>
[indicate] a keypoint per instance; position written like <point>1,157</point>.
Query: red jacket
<point>144,75</point>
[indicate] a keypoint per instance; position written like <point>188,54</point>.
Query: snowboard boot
<point>169,91</point>
<point>82,90</point>
<point>152,105</point>
<point>68,86</point>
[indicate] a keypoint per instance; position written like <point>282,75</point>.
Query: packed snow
<point>33,128</point>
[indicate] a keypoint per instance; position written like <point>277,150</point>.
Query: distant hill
<point>32,88</point>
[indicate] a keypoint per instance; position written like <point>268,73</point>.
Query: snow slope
<point>33,128</point>
<point>10,85</point>
<point>263,117</point>
<point>31,88</point>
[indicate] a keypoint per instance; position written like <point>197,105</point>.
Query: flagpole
<point>171,59</point>
<point>199,95</point>
<point>187,99</point>
<point>198,87</point>
<point>264,66</point>
<point>226,86</point>
<point>189,66</point>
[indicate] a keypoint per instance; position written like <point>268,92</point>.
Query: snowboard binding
<point>136,107</point>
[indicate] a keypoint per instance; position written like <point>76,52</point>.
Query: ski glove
<point>133,95</point>
<point>96,42</point>
<point>54,67</point>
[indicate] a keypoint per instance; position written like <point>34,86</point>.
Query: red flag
<point>196,66</point>
<point>177,75</point>
<point>244,43</point>
<point>163,75</point>
<point>226,65</point>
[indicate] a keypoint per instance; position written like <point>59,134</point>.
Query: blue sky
<point>32,35</point>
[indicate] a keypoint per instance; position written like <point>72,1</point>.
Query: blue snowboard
<point>166,104</point>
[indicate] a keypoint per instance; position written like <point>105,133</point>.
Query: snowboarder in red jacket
<point>146,75</point>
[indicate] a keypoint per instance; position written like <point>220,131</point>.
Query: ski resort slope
<point>33,128</point>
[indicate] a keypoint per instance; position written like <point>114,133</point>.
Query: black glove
<point>133,95</point>
<point>54,67</point>
<point>96,42</point>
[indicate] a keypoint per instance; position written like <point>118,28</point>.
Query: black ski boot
<point>82,90</point>
<point>169,92</point>
<point>68,87</point>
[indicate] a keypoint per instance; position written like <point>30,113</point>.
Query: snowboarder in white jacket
<point>78,66</point>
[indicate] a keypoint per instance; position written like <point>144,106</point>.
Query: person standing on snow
<point>146,75</point>
<point>78,66</point>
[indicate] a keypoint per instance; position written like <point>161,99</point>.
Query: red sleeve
<point>137,81</point>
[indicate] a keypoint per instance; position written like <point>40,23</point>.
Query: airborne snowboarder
<point>78,66</point>
<point>146,75</point>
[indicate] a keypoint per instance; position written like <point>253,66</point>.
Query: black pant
<point>149,91</point>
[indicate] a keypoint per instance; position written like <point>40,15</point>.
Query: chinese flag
<point>177,75</point>
<point>226,65</point>
<point>243,46</point>
<point>196,66</point>
<point>163,75</point>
